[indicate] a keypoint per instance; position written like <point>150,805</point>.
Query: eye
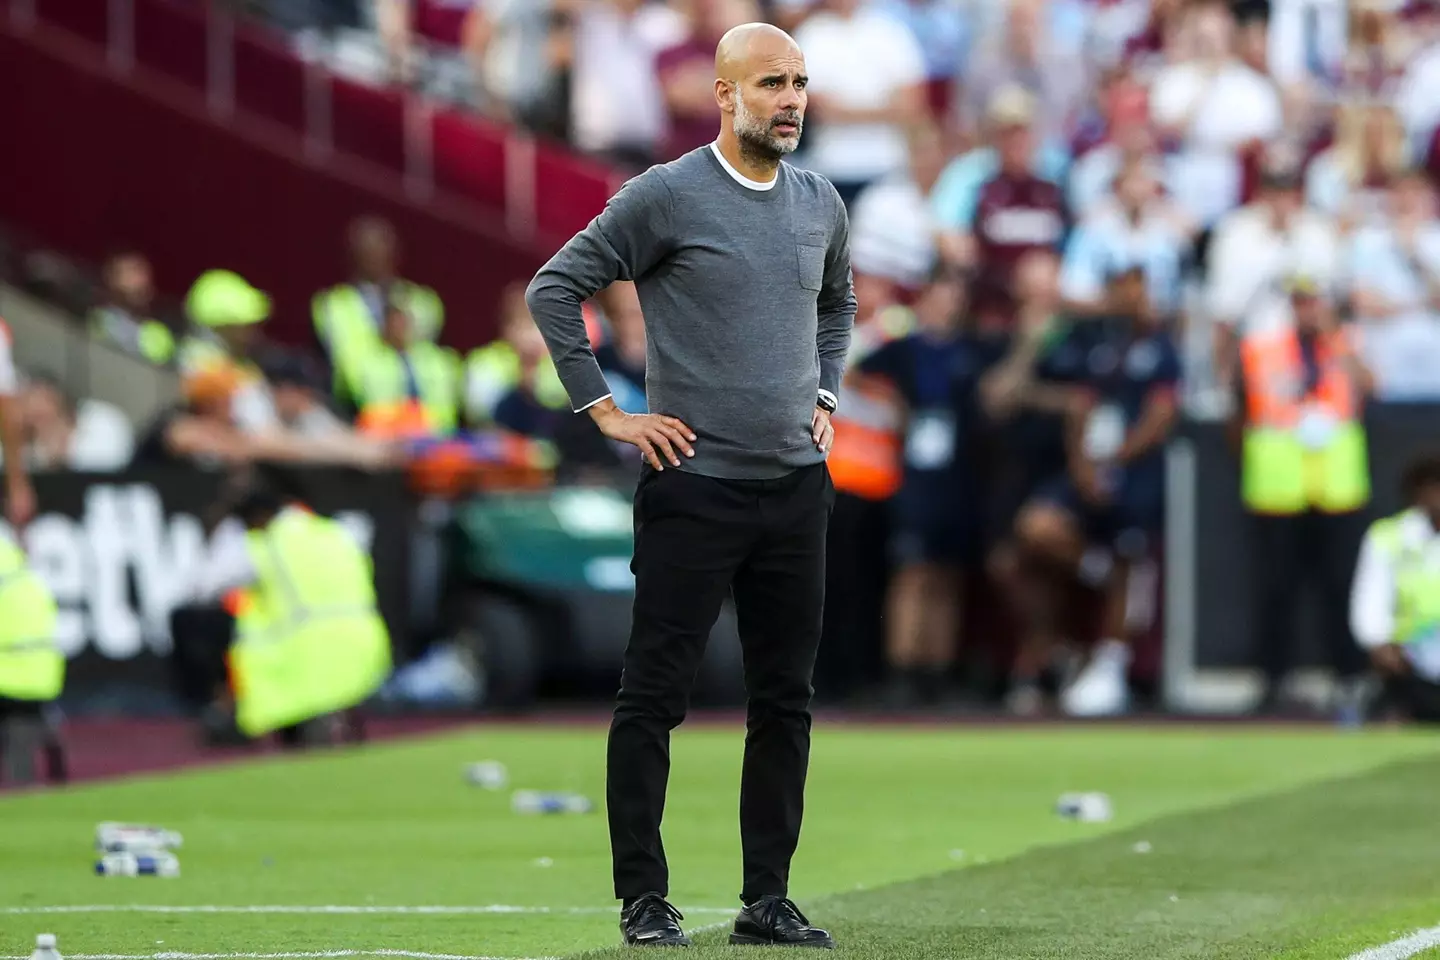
<point>802,84</point>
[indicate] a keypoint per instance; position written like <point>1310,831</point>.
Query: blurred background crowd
<point>1068,217</point>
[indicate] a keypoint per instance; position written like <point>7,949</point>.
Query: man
<point>1395,601</point>
<point>348,317</point>
<point>409,386</point>
<point>742,266</point>
<point>300,636</point>
<point>1304,474</point>
<point>1012,208</point>
<point>934,370</point>
<point>1103,518</point>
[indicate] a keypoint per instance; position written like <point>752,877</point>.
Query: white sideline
<point>309,955</point>
<point>1416,942</point>
<point>331,909</point>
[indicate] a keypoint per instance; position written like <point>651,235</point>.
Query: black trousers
<point>202,634</point>
<point>698,539</point>
<point>1419,699</point>
<point>1291,552</point>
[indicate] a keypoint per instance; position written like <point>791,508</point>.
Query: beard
<point>757,135</point>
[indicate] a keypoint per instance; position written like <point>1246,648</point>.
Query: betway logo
<point>123,566</point>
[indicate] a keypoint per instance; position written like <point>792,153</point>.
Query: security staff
<point>1305,475</point>
<point>304,638</point>
<point>32,668</point>
<point>349,316</point>
<point>493,371</point>
<point>408,385</point>
<point>1395,601</point>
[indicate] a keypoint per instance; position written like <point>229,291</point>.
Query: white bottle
<point>45,948</point>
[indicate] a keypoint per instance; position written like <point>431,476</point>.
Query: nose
<point>792,99</point>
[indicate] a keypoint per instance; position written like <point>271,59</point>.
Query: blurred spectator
<point>1104,518</point>
<point>622,355</point>
<point>1253,249</point>
<point>1020,51</point>
<point>348,317</point>
<point>942,29</point>
<point>1128,139</point>
<point>517,358</point>
<point>1349,180</point>
<point>1212,106</point>
<point>867,82</point>
<point>1138,227</point>
<point>226,313</point>
<point>892,228</point>
<point>409,387</point>
<point>125,317</point>
<point>1304,474</point>
<point>989,224</point>
<point>1377,51</point>
<point>60,434</point>
<point>1394,269</point>
<point>687,72</point>
<point>298,396</point>
<point>1415,98</point>
<point>517,54</point>
<point>933,370</point>
<point>617,105</point>
<point>202,430</point>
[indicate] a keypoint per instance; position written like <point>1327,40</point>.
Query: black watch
<point>826,402</point>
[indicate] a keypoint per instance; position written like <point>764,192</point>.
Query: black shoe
<point>776,921</point>
<point>652,922</point>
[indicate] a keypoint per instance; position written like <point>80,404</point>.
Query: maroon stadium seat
<point>369,123</point>
<point>469,159</point>
<point>87,19</point>
<point>171,39</point>
<point>269,80</point>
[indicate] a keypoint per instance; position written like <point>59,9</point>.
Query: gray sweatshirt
<point>748,304</point>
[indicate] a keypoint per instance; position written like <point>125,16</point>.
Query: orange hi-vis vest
<point>867,456</point>
<point>1302,450</point>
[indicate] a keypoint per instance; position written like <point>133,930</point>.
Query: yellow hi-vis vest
<point>1417,582</point>
<point>1301,450</point>
<point>31,665</point>
<point>494,370</point>
<point>437,380</point>
<point>350,331</point>
<point>309,639</point>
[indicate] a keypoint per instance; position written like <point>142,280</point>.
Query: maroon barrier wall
<point>89,163</point>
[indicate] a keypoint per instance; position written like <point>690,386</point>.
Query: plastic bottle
<point>157,863</point>
<point>122,837</point>
<point>45,948</point>
<point>539,802</point>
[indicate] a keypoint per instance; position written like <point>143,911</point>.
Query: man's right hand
<point>657,436</point>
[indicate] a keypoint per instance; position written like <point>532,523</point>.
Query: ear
<point>725,95</point>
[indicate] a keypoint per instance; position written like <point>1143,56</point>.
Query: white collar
<point>739,177</point>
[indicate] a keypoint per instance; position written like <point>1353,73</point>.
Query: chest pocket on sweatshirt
<point>810,251</point>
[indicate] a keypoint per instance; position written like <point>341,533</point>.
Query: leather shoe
<point>650,921</point>
<point>776,921</point>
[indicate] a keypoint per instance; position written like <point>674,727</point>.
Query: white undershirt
<point>739,177</point>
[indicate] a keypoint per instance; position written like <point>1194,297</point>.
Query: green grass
<point>918,844</point>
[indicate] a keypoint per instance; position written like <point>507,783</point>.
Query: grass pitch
<point>918,843</point>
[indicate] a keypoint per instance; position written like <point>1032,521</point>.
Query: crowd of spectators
<point>1065,216</point>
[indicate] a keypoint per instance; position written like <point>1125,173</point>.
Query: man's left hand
<point>821,431</point>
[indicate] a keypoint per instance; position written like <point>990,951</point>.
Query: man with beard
<point>742,266</point>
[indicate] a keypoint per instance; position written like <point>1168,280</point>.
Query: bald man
<point>742,266</point>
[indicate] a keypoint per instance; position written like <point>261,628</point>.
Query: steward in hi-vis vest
<point>1304,473</point>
